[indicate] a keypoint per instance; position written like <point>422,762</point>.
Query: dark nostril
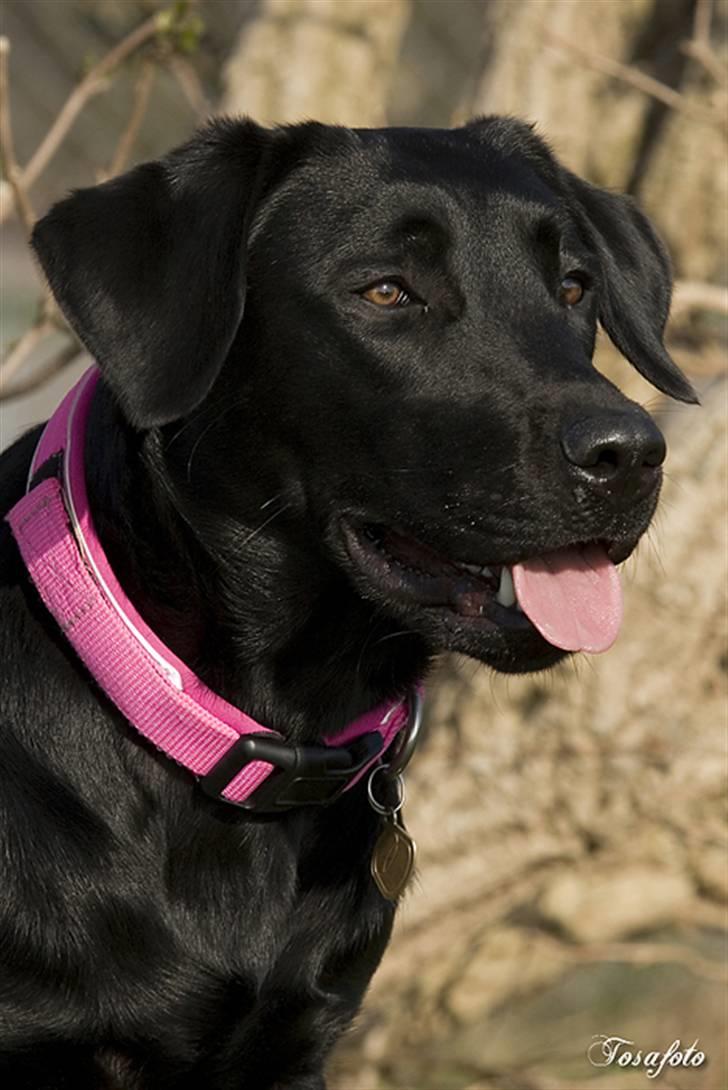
<point>607,458</point>
<point>614,449</point>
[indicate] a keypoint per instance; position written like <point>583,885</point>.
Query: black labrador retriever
<point>347,399</point>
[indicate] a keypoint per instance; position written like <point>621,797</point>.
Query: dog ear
<point>637,279</point>
<point>149,268</point>
<point>637,282</point>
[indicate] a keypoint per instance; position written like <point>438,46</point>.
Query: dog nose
<point>618,454</point>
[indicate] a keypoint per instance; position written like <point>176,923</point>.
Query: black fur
<point>150,937</point>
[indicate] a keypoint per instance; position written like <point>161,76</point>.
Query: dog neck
<point>291,643</point>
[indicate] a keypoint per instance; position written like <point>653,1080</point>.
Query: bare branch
<point>699,47</point>
<point>712,64</point>
<point>702,20</point>
<point>189,83</point>
<point>14,189</point>
<point>142,90</point>
<point>51,367</point>
<point>22,348</point>
<point>696,295</point>
<point>13,172</point>
<point>48,320</point>
<point>92,83</point>
<point>640,80</point>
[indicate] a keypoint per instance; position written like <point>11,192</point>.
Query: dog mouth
<point>571,596</point>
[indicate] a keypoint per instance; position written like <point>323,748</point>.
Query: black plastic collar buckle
<point>304,776</point>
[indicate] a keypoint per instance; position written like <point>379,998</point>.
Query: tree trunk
<point>544,60</point>
<point>572,840</point>
<point>320,59</point>
<point>571,825</point>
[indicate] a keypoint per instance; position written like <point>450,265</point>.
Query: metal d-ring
<point>407,741</point>
<point>382,807</point>
<point>405,747</point>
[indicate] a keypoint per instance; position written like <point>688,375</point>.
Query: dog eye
<point>571,291</point>
<point>387,293</point>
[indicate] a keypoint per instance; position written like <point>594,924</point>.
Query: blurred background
<point>573,857</point>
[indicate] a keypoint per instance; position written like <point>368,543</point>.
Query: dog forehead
<point>367,183</point>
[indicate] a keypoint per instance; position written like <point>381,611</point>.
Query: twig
<point>189,83</point>
<point>48,318</point>
<point>94,81</point>
<point>23,347</point>
<point>704,55</point>
<point>695,295</point>
<point>702,20</point>
<point>142,91</point>
<point>699,47</point>
<point>63,358</point>
<point>13,172</point>
<point>638,79</point>
<point>15,187</point>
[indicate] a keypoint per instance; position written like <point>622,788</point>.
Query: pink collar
<point>236,758</point>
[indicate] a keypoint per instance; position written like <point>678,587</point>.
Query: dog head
<point>391,333</point>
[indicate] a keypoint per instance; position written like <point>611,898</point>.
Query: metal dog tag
<point>393,858</point>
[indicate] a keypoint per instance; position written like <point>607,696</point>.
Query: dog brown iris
<point>572,291</point>
<point>386,293</point>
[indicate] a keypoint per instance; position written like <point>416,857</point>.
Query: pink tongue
<point>573,597</point>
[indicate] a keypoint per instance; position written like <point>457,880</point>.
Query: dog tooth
<point>506,594</point>
<point>477,569</point>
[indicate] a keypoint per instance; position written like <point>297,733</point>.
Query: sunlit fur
<point>150,937</point>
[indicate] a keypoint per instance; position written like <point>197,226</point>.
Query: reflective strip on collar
<point>157,693</point>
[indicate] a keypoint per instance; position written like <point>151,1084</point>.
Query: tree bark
<point>544,60</point>
<point>569,821</point>
<point>320,59</point>
<point>571,827</point>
